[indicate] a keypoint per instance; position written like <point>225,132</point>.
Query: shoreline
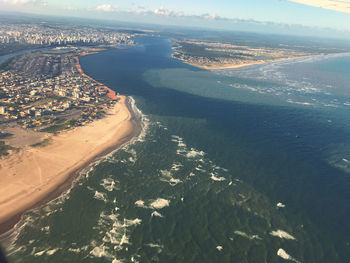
<point>58,183</point>
<point>34,176</point>
<point>235,66</point>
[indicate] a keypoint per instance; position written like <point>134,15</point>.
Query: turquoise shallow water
<point>232,166</point>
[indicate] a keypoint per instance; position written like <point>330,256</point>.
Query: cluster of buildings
<point>43,34</point>
<point>35,100</point>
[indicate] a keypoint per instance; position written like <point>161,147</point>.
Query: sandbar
<point>35,175</point>
<point>234,66</point>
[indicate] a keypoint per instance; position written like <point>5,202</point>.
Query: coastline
<point>36,175</point>
<point>234,66</point>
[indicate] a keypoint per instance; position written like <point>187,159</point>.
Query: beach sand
<point>35,175</point>
<point>233,66</point>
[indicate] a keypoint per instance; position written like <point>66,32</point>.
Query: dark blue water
<point>218,153</point>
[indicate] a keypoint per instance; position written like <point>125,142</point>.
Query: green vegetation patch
<point>60,126</point>
<point>4,149</point>
<point>42,143</point>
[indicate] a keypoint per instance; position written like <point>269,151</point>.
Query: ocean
<point>236,165</point>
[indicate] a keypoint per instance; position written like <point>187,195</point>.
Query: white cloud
<point>19,2</point>
<point>211,16</point>
<point>106,8</point>
<point>336,5</point>
<point>159,12</point>
<point>166,12</point>
<point>70,8</point>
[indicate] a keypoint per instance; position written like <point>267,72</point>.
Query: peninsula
<point>221,55</point>
<point>61,122</point>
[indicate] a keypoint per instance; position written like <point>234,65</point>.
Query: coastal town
<point>49,92</point>
<point>17,36</point>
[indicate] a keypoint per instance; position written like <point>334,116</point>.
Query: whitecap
<point>174,181</point>
<point>108,184</point>
<point>176,166</point>
<point>159,203</point>
<point>132,222</point>
<point>243,234</point>
<point>283,254</point>
<point>219,248</point>
<point>217,179</point>
<point>194,153</point>
<point>154,245</point>
<point>99,252</point>
<point>167,177</point>
<point>282,234</point>
<point>40,253</point>
<point>155,213</point>
<point>280,205</point>
<point>140,203</point>
<point>45,229</point>
<point>52,251</point>
<point>100,196</point>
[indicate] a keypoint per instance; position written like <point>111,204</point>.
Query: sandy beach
<point>35,175</point>
<point>233,66</point>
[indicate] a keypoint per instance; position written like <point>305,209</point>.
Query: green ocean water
<point>232,166</point>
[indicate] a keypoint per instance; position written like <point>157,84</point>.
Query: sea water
<point>241,165</point>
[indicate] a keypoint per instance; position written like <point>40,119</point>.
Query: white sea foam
<point>114,232</point>
<point>99,252</point>
<point>52,251</point>
<point>159,203</point>
<point>282,234</point>
<point>176,167</point>
<point>243,234</point>
<point>167,177</point>
<point>283,254</point>
<point>154,245</point>
<point>300,102</point>
<point>194,153</point>
<point>155,213</point>
<point>174,181</point>
<point>45,229</point>
<point>108,184</point>
<point>145,122</point>
<point>217,179</point>
<point>280,205</point>
<point>78,250</point>
<point>219,248</point>
<point>132,222</point>
<point>200,169</point>
<point>100,196</point>
<point>40,253</point>
<point>140,203</point>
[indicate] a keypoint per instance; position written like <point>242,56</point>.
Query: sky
<point>298,15</point>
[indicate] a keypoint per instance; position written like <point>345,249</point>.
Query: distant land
<point>219,55</point>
